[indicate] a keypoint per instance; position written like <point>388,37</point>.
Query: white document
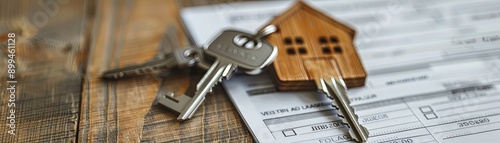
<point>456,110</point>
<point>418,34</point>
<point>462,107</point>
<point>371,19</point>
<point>304,116</point>
<point>433,72</point>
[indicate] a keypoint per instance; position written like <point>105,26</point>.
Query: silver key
<point>180,58</point>
<point>229,55</point>
<point>336,89</point>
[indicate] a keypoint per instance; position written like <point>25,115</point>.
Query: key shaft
<point>228,56</point>
<point>180,58</point>
<point>335,89</point>
<point>214,75</point>
<point>328,79</point>
<point>137,70</point>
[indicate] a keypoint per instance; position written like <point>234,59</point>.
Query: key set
<point>317,52</point>
<point>230,50</point>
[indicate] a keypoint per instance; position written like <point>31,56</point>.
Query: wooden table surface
<point>60,96</point>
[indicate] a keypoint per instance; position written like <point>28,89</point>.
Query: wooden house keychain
<point>317,52</point>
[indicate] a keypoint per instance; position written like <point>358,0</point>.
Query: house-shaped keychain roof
<point>311,44</point>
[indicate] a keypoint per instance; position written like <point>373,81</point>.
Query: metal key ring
<point>264,32</point>
<point>244,41</point>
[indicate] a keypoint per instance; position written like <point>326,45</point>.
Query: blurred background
<point>63,46</point>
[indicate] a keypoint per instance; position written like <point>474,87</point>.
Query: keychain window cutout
<point>334,39</point>
<point>322,40</point>
<point>288,41</point>
<point>326,50</point>
<point>302,50</point>
<point>299,40</point>
<point>290,51</point>
<point>337,49</point>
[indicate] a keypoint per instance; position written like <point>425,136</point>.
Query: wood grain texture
<point>49,61</point>
<point>306,35</point>
<point>60,96</point>
<point>129,32</point>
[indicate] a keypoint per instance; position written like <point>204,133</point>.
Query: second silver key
<point>228,55</point>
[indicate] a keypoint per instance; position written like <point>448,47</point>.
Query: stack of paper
<point>433,72</point>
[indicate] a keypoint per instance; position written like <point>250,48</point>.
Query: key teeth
<point>335,106</point>
<point>346,123</point>
<point>341,116</point>
<point>210,91</point>
<point>351,132</point>
<point>344,120</point>
<point>349,128</point>
<point>211,88</point>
